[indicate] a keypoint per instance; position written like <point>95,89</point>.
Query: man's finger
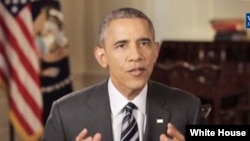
<point>173,132</point>
<point>82,135</point>
<point>97,137</point>
<point>163,137</point>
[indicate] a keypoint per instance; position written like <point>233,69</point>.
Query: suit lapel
<point>157,114</point>
<point>100,112</point>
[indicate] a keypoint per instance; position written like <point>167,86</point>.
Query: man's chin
<point>137,85</point>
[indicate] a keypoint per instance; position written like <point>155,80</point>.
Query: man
<point>128,49</point>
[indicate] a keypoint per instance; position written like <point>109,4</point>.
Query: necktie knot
<point>130,107</point>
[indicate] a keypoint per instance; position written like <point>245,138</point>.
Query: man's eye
<point>145,43</point>
<point>121,46</point>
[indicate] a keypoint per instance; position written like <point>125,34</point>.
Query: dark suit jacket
<point>90,108</point>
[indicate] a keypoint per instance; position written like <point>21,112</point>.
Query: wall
<point>189,20</point>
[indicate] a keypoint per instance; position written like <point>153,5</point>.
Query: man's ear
<point>100,56</point>
<point>157,50</point>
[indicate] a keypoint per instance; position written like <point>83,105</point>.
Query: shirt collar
<point>118,101</point>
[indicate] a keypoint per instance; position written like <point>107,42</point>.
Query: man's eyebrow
<point>125,41</point>
<point>120,42</point>
<point>144,39</point>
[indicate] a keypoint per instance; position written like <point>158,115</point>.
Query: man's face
<point>130,53</point>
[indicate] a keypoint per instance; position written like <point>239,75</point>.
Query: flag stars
<point>15,1</point>
<point>23,1</point>
<point>14,6</point>
<point>14,9</point>
<point>7,2</point>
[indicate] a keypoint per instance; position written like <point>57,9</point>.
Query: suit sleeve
<point>54,130</point>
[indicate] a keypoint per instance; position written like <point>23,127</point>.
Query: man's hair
<point>119,14</point>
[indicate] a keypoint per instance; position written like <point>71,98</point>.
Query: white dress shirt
<point>118,102</point>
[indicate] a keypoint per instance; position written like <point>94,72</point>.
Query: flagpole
<point>11,132</point>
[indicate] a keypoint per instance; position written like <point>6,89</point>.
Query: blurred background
<point>203,38</point>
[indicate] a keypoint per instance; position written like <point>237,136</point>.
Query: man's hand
<point>82,136</point>
<point>173,134</point>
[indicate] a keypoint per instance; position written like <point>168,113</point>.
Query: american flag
<point>19,68</point>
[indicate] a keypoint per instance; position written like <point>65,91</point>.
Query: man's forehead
<point>126,23</point>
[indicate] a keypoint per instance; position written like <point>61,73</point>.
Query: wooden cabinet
<point>217,72</point>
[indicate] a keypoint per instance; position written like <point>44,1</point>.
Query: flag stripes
<point>18,60</point>
<point>19,69</point>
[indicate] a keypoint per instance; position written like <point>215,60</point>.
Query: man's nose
<point>135,53</point>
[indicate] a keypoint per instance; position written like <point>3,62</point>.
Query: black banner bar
<point>203,132</point>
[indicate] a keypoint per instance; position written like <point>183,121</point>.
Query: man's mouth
<point>136,71</point>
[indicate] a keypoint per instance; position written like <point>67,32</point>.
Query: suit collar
<point>118,101</point>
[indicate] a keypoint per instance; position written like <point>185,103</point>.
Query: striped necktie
<point>129,130</point>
